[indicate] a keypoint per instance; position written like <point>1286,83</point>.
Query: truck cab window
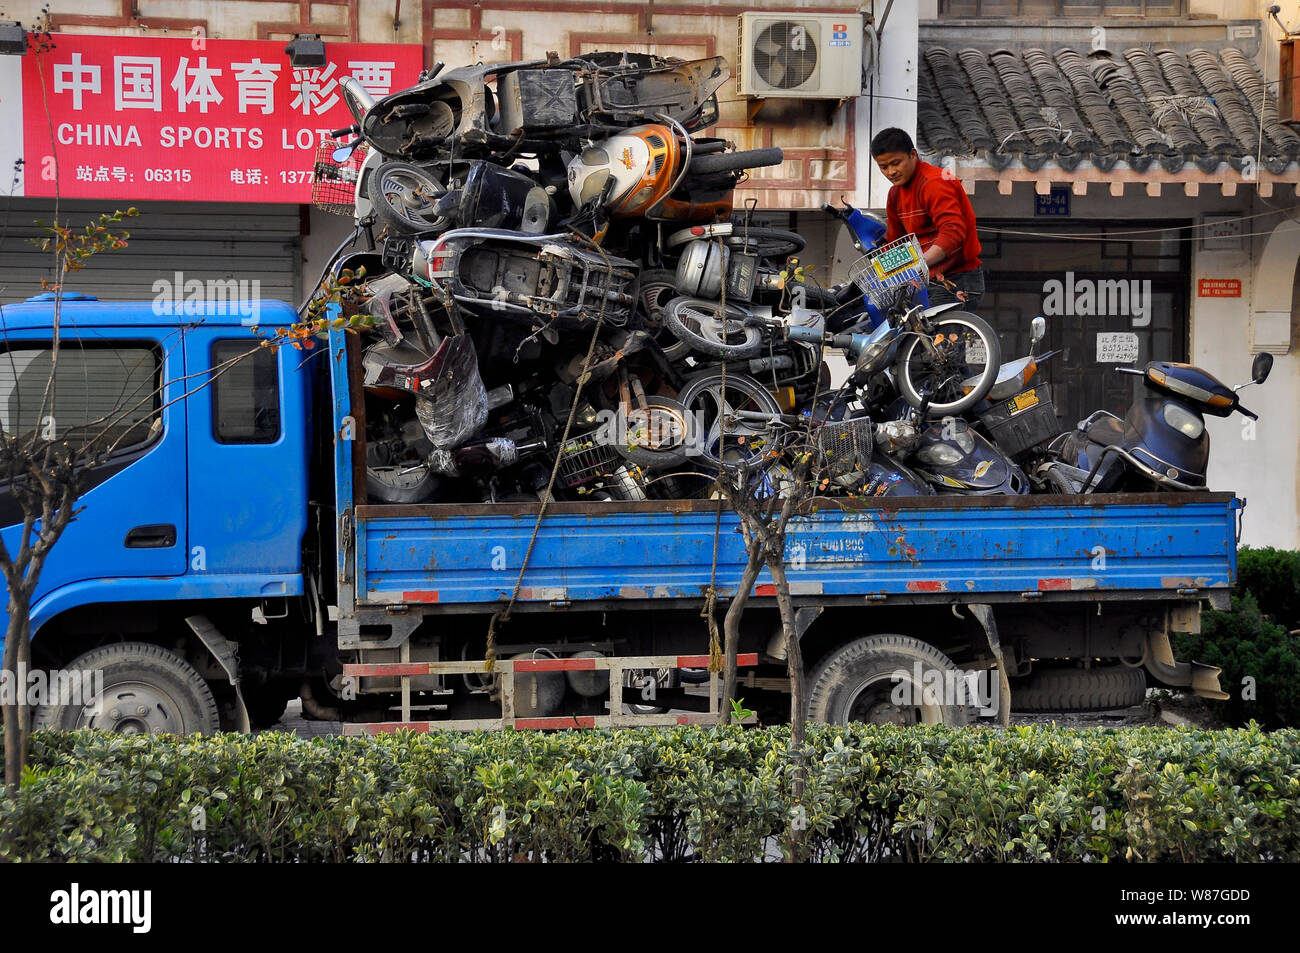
<point>246,394</point>
<point>105,395</point>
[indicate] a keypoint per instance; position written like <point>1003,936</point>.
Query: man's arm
<point>893,224</point>
<point>944,207</point>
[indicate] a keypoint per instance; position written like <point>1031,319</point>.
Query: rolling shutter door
<point>203,240</point>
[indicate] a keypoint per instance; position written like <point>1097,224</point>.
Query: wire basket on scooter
<point>844,446</point>
<point>586,460</point>
<point>333,183</point>
<point>882,272</point>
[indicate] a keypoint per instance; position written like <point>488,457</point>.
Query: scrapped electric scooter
<point>1161,443</point>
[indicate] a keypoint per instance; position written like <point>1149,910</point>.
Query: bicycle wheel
<point>954,363</point>
<point>704,401</point>
<point>708,329</point>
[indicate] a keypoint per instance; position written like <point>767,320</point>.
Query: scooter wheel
<point>404,196</point>
<point>657,437</point>
<point>710,329</point>
<point>401,484</point>
<point>658,286</point>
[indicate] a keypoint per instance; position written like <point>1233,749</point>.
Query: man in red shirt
<point>934,207</point>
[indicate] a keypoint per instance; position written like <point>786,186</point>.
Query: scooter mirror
<point>1262,365</point>
<point>1038,328</point>
<point>342,154</point>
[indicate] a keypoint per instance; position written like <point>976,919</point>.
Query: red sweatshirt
<point>939,212</point>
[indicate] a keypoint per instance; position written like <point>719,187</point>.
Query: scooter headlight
<point>1188,424</point>
<point>872,357</point>
<point>939,455</point>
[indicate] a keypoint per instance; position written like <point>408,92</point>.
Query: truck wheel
<point>1080,689</point>
<point>887,680</point>
<point>146,688</point>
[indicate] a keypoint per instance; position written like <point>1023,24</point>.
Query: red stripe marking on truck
<point>767,589</point>
<point>420,596</point>
<point>702,661</point>
<point>544,724</point>
<point>1052,585</point>
<point>391,669</point>
<point>927,585</point>
<point>555,665</point>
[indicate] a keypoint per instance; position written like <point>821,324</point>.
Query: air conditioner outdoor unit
<point>800,55</point>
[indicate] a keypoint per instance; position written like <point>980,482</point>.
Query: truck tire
<point>1080,689</point>
<point>857,682</point>
<point>146,689</point>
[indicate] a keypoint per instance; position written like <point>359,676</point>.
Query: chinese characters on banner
<point>179,119</point>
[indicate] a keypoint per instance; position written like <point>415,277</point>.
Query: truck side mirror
<point>1262,365</point>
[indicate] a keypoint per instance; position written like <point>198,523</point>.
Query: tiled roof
<point>1140,106</point>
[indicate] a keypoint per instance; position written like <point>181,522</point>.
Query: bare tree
<point>42,470</point>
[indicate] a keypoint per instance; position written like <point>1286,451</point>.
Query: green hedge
<point>1253,641</point>
<point>1260,662</point>
<point>1272,576</point>
<point>874,793</point>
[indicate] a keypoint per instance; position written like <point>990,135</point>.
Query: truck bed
<point>945,548</point>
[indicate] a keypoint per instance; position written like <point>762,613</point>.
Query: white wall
<point>1260,463</point>
<point>892,96</point>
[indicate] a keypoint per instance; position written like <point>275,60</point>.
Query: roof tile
<point>1204,107</point>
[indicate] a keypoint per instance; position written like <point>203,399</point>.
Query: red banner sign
<point>189,119</point>
<point>1218,288</point>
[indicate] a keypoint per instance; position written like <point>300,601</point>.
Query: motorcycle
<point>1161,441</point>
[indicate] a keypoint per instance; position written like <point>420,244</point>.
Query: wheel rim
<point>132,708</point>
<point>655,295</point>
<point>947,365</point>
<point>703,326</point>
<point>408,196</point>
<point>657,428</point>
<point>873,704</point>
<point>703,400</point>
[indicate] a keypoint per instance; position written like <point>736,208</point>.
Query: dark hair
<point>891,140</point>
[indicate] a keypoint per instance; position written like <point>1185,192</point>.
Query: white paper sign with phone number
<point>1117,347</point>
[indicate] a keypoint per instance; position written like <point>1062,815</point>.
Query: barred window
<point>104,396</point>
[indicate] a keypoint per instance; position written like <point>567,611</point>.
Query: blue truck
<point>225,561</point>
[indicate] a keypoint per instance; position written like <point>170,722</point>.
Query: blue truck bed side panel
<point>972,547</point>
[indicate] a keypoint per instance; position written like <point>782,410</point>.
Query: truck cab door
<point>121,390</point>
<point>247,454</point>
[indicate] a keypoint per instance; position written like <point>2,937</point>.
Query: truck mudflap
<point>508,669</point>
<point>1196,677</point>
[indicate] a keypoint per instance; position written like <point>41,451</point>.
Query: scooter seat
<point>1106,431</point>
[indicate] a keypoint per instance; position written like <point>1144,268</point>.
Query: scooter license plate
<point>1023,401</point>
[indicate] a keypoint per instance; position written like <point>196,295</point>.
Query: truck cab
<point>196,504</point>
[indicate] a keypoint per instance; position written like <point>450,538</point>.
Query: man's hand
<point>934,255</point>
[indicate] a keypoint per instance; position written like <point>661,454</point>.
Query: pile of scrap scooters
<point>561,298</point>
